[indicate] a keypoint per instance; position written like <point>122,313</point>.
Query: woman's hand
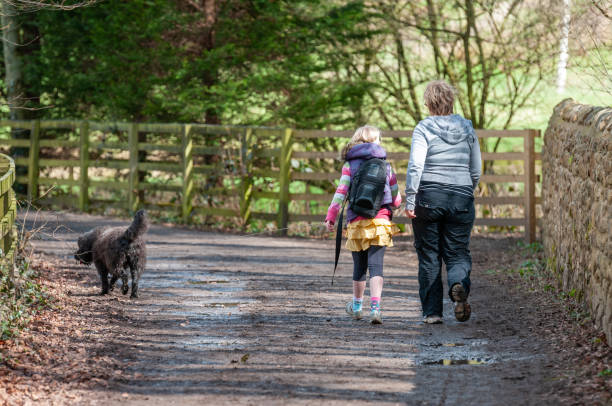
<point>329,225</point>
<point>410,214</point>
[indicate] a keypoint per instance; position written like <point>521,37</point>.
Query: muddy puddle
<point>230,304</point>
<point>189,296</point>
<point>451,362</point>
<point>207,282</point>
<point>437,345</point>
<point>477,343</point>
<point>212,343</point>
<point>445,348</point>
<point>455,355</point>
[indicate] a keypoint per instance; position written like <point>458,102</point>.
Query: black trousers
<point>442,229</point>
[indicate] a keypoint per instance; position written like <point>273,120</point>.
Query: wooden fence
<point>8,210</point>
<point>224,170</point>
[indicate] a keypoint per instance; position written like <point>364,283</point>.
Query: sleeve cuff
<point>410,201</point>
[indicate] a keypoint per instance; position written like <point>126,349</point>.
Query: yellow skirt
<point>363,233</point>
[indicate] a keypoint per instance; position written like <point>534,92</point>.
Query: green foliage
<point>532,248</point>
<point>605,373</point>
<point>261,62</point>
<point>20,299</point>
<point>302,63</point>
<point>533,271</point>
<point>294,63</point>
<point>100,61</point>
<point>527,269</point>
<point>533,265</point>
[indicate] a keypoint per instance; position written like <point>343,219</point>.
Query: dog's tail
<point>139,226</point>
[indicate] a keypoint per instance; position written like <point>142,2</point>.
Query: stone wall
<point>577,204</point>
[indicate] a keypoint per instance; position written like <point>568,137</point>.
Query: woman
<point>443,172</point>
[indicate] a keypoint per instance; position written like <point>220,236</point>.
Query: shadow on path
<point>253,320</point>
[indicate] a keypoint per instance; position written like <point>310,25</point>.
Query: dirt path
<point>227,319</point>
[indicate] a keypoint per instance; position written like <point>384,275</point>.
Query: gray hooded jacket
<point>444,149</point>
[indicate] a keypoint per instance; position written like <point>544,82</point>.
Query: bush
<point>21,297</point>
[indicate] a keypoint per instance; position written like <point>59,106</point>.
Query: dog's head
<point>84,253</point>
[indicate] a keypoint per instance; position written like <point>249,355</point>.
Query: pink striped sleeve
<point>395,195</point>
<point>340,195</point>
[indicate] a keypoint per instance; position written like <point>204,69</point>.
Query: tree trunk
<point>563,48</point>
<point>211,77</point>
<point>12,62</point>
<point>13,80</point>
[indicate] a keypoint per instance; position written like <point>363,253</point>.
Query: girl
<point>367,238</point>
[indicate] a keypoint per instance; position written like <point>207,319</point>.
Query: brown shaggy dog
<point>115,250</point>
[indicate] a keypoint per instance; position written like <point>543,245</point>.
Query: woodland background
<point>302,63</point>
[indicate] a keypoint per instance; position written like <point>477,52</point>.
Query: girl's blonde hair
<point>439,98</point>
<point>367,133</point>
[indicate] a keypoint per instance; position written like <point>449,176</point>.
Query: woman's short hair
<point>439,98</point>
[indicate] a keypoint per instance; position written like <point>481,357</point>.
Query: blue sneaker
<point>354,314</point>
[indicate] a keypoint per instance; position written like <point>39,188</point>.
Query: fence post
<point>133,201</point>
<point>187,161</point>
<point>530,180</point>
<point>33,162</point>
<point>4,207</point>
<point>8,234</point>
<point>84,166</point>
<point>284,180</point>
<point>246,184</point>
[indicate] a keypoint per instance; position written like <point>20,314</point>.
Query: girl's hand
<point>329,225</point>
<point>410,214</point>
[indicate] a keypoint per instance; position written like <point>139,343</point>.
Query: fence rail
<point>8,210</point>
<point>225,164</point>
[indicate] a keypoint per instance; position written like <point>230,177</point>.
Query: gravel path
<point>230,319</point>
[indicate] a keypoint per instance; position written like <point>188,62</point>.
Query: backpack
<point>367,188</point>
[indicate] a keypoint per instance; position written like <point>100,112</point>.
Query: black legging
<point>371,258</point>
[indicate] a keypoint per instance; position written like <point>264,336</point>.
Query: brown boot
<point>462,307</point>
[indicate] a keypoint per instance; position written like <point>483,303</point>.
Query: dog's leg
<point>137,266</point>
<point>136,261</point>
<point>124,279</point>
<point>112,282</point>
<point>103,272</point>
<point>135,277</point>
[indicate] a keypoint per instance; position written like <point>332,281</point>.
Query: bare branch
<point>35,5</point>
<point>604,7</point>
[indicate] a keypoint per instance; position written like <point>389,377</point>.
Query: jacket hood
<point>366,151</point>
<point>453,129</point>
